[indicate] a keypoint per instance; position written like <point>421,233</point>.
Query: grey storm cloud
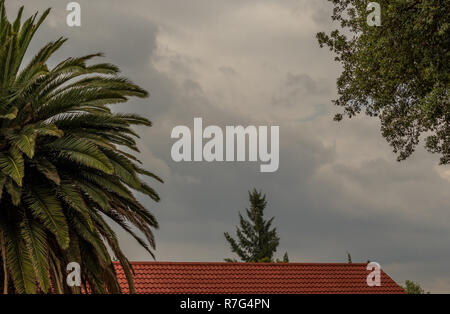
<point>257,62</point>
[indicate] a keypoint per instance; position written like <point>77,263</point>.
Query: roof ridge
<point>241,263</point>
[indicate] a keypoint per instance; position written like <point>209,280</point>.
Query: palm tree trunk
<point>56,276</point>
<point>5,269</point>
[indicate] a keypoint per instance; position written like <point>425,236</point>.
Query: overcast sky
<point>257,62</point>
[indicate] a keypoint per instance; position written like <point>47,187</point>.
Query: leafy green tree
<point>413,288</point>
<point>63,175</point>
<point>256,240</point>
<point>398,72</point>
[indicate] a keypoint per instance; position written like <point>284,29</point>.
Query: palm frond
<point>65,167</point>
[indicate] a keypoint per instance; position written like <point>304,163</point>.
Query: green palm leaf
<point>47,208</point>
<point>14,191</point>
<point>82,152</point>
<point>48,169</point>
<point>24,140</point>
<point>19,260</point>
<point>11,114</point>
<point>12,164</point>
<point>35,238</point>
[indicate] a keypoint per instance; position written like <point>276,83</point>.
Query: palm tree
<point>67,168</point>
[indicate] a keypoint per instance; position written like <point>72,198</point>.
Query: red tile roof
<point>253,278</point>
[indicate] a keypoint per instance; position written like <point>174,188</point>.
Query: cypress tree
<point>256,240</point>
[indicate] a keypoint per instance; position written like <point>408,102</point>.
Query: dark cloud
<point>298,89</point>
<point>228,71</point>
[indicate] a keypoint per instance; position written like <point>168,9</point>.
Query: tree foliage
<point>412,287</point>
<point>398,72</point>
<point>256,240</point>
<point>63,175</point>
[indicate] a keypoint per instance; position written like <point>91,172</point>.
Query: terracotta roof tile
<point>255,278</point>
